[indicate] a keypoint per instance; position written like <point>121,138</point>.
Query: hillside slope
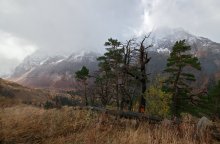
<point>18,93</point>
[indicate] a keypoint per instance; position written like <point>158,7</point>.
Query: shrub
<point>49,105</point>
<point>59,101</point>
<point>158,101</point>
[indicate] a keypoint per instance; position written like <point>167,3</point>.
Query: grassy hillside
<point>13,93</point>
<point>13,90</point>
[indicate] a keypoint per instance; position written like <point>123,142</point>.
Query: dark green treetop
<point>82,74</point>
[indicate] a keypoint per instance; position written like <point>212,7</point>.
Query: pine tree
<point>82,76</point>
<point>179,65</point>
<point>114,55</point>
<point>104,80</point>
<point>113,60</point>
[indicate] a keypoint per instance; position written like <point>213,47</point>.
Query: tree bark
<point>175,95</point>
<point>142,61</point>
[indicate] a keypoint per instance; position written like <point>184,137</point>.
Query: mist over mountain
<point>63,27</point>
<point>58,71</point>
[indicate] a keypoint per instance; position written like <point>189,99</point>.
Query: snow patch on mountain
<point>24,76</point>
<point>42,62</point>
<point>163,50</point>
<point>59,61</point>
<point>83,56</point>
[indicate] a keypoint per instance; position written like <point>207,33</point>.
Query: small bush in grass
<point>59,101</point>
<point>49,105</point>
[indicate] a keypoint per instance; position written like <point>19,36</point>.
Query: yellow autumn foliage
<point>158,102</point>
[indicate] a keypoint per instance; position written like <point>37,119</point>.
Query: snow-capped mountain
<point>33,61</point>
<point>57,71</point>
<point>164,38</point>
<point>53,71</point>
<point>206,50</point>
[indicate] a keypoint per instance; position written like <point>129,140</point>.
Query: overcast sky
<point>66,26</point>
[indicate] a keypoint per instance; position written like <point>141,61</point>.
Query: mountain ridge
<point>58,71</point>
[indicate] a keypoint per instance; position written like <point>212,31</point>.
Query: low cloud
<point>200,17</point>
<point>67,26</point>
<point>12,51</point>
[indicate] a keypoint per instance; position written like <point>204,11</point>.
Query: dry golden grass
<point>27,124</point>
<point>8,102</point>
